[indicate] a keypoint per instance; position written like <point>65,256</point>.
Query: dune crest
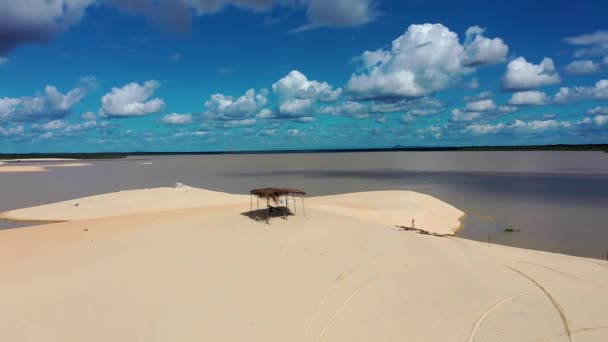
<point>381,207</point>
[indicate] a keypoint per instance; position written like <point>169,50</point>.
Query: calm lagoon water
<point>558,200</point>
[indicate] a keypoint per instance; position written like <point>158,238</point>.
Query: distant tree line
<point>13,156</point>
<point>113,155</point>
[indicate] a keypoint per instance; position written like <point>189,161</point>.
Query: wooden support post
<point>267,211</point>
<point>251,206</point>
<point>295,206</point>
<point>257,212</point>
<point>304,205</point>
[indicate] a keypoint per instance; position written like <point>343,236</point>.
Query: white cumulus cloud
<point>598,110</point>
<point>339,13</point>
<point>132,99</point>
<point>9,131</point>
<point>601,120</point>
<point>576,94</point>
<point>464,116</point>
<point>582,67</point>
<point>481,106</point>
<point>591,44</point>
<point>54,125</point>
<point>50,104</point>
<point>480,50</point>
<point>522,75</point>
<point>89,116</point>
<point>517,126</point>
<point>425,59</point>
<point>177,119</point>
<point>297,94</point>
<point>528,98</point>
<point>223,107</point>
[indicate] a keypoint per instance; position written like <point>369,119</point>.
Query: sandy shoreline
<point>14,167</point>
<point>36,160</point>
<point>211,273</point>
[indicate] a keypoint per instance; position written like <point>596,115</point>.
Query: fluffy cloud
<point>226,108</point>
<point>294,132</point>
<point>90,116</point>
<point>58,128</point>
<point>54,125</point>
<point>177,119</point>
<point>47,105</point>
<point>522,75</point>
<point>598,110</point>
<point>348,108</point>
<point>528,98</point>
<point>480,106</point>
<point>339,13</point>
<point>425,59</point>
<point>296,107</point>
<point>601,120</point>
<point>238,123</point>
<point>481,96</point>
<point>576,94</point>
<point>265,114</point>
<point>480,50</point>
<point>517,126</point>
<point>81,126</point>
<point>464,116</point>
<point>408,119</point>
<point>39,20</point>
<point>296,85</point>
<point>591,44</point>
<point>132,100</point>
<point>297,94</point>
<point>418,107</point>
<point>9,131</point>
<point>36,20</point>
<point>582,67</point>
<point>189,134</point>
<point>3,61</point>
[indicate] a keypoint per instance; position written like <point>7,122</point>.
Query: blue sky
<point>207,75</point>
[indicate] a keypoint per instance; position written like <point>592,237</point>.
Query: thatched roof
<point>276,192</point>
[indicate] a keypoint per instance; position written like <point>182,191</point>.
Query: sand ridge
<point>211,273</point>
<point>383,207</point>
<point>35,168</point>
<point>36,159</point>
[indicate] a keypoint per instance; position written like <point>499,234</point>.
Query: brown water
<point>559,200</point>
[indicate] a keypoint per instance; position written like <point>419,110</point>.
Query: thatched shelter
<point>275,195</point>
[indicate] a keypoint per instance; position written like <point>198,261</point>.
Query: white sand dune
<point>24,168</point>
<point>395,208</point>
<point>384,207</point>
<point>36,168</point>
<point>211,273</point>
<point>38,159</point>
<point>125,203</point>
